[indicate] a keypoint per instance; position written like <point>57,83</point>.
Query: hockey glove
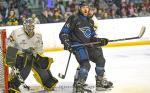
<point>67,46</point>
<point>65,41</point>
<point>102,41</point>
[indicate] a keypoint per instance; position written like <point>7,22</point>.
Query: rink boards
<point>110,28</point>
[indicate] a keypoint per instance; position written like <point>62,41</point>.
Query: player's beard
<point>85,12</point>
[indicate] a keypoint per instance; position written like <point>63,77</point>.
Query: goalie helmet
<point>28,26</point>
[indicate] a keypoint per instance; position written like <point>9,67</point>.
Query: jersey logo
<point>23,42</point>
<point>67,25</point>
<point>86,31</point>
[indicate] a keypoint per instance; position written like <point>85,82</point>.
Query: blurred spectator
<point>104,9</point>
<point>105,14</point>
<point>146,3</point>
<point>22,5</point>
<point>99,13</point>
<point>123,9</point>
<point>22,19</point>
<point>113,11</point>
<point>57,16</point>
<point>100,4</point>
<point>50,12</point>
<point>66,15</point>
<point>14,4</point>
<point>132,10</point>
<point>60,6</point>
<point>1,20</point>
<point>44,3</point>
<point>124,13</point>
<point>35,19</point>
<point>2,10</point>
<point>45,17</point>
<point>26,11</point>
<point>144,11</point>
<point>72,6</point>
<point>11,19</point>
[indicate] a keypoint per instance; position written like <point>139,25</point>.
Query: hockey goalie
<point>25,53</point>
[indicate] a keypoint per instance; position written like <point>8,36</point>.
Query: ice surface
<point>127,67</point>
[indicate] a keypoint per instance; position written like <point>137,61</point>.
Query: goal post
<point>3,66</point>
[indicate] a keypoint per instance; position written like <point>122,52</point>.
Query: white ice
<point>127,67</point>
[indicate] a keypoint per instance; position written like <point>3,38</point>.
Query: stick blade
<point>142,31</point>
<point>61,76</point>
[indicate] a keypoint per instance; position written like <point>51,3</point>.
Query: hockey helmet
<point>83,3</point>
<point>28,26</point>
<point>84,8</point>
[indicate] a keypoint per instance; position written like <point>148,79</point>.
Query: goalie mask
<point>28,26</point>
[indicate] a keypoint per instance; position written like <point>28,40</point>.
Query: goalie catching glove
<point>101,41</point>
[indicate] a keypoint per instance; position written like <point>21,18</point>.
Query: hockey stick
<point>130,38</point>
<point>92,43</point>
<point>64,75</point>
<point>142,31</point>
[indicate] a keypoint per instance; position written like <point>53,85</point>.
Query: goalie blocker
<point>11,56</point>
<point>25,62</point>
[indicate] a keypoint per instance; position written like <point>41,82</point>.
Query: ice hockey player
<point>27,45</point>
<point>79,29</point>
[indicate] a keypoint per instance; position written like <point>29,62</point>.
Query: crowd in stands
<point>14,12</point>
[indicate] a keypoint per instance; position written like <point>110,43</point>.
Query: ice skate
<point>13,88</point>
<point>102,84</point>
<point>79,87</point>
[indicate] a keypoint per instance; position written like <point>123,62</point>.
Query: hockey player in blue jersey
<point>79,29</point>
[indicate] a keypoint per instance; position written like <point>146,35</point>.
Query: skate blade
<point>85,91</point>
<point>104,89</point>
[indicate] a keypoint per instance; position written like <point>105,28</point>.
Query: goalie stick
<point>142,31</point>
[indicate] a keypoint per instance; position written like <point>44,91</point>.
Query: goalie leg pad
<point>18,74</point>
<point>14,85</point>
<point>21,61</point>
<point>43,62</point>
<point>24,64</point>
<point>44,77</point>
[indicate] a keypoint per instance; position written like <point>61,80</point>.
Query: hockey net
<point>3,66</point>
